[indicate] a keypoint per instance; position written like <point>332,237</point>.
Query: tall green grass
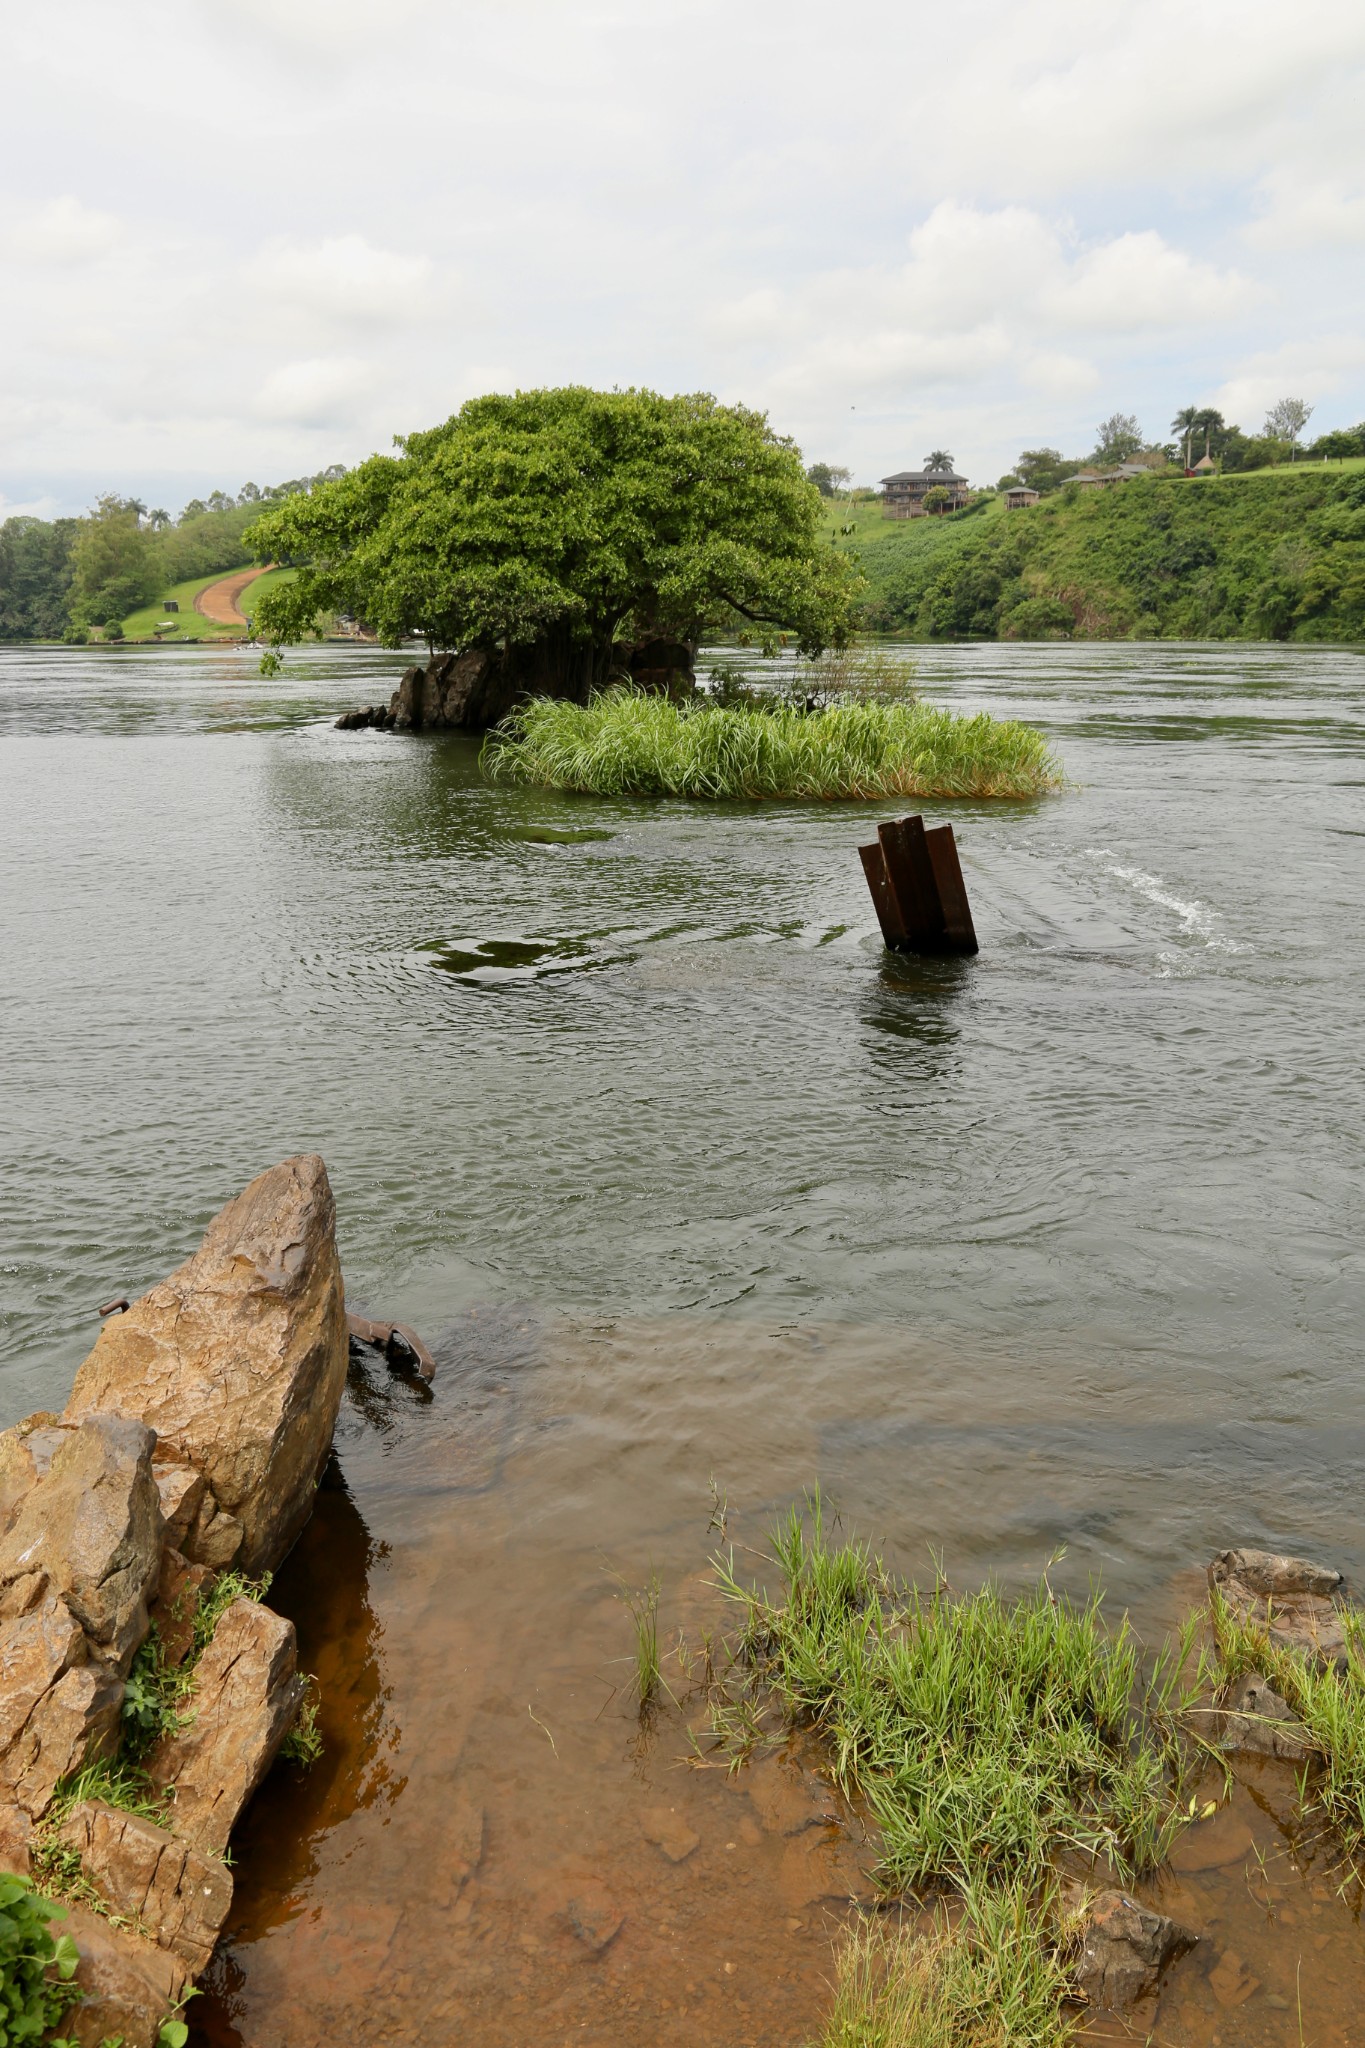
<point>986,1736</point>
<point>993,1980</point>
<point>624,743</point>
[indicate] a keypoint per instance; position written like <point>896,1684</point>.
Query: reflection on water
<point>1056,1246</point>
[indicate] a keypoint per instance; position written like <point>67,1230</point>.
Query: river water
<point>688,1182</point>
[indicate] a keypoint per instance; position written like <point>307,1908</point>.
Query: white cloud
<point>1309,214</point>
<point>1139,280</point>
<point>1059,376</point>
<point>325,391</point>
<point>1309,367</point>
<point>342,278</point>
<point>60,233</point>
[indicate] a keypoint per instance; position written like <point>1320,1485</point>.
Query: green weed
<point>644,1614</point>
<point>627,743</point>
<point>226,1588</point>
<point>303,1744</point>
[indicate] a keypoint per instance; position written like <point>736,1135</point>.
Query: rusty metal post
<point>959,931</point>
<point>883,902</point>
<point>915,880</point>
<point>914,889</point>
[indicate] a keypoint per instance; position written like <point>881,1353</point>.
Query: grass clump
<point>986,1736</point>
<point>303,1745</point>
<point>992,1980</point>
<point>1329,1704</point>
<point>627,743</point>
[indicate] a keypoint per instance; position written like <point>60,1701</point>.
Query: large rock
<point>238,1361</point>
<point>129,1985</point>
<point>1291,1598</point>
<point>1124,1949</point>
<point>245,1699</point>
<point>56,1710</point>
<point>87,1527</point>
<point>164,1886</point>
<point>470,691</point>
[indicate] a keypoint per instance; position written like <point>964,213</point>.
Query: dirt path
<point>218,601</point>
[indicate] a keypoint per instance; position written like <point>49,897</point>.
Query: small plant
<point>36,1967</point>
<point>303,1744</point>
<point>643,1607</point>
<point>213,1605</point>
<point>151,1698</point>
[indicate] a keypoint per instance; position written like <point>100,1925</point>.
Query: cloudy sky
<point>244,238</point>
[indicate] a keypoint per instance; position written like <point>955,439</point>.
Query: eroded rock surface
<point>164,1886</point>
<point>1124,1949</point>
<point>238,1361</point>
<point>1293,1599</point>
<point>86,1527</point>
<point>129,1984</point>
<point>56,1710</point>
<point>245,1699</point>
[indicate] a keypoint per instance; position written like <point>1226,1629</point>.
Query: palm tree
<point>1208,423</point>
<point>938,459</point>
<point>1185,424</point>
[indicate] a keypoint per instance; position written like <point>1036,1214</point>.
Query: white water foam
<point>1197,920</point>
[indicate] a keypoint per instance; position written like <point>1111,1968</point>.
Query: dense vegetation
<point>566,523</point>
<point>623,743</point>
<point>64,575</point>
<point>1269,557</point>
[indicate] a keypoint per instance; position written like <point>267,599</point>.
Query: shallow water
<point>626,1109</point>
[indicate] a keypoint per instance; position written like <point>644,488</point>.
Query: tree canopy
<point>570,518</point>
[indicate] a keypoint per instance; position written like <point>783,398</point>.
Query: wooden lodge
<point>1017,496</point>
<point>903,494</point>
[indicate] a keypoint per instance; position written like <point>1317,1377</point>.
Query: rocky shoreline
<point>178,1475</point>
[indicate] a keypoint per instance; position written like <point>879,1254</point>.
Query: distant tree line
<point>59,577</point>
<point>1197,431</point>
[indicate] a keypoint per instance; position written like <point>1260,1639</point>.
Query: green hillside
<point>1268,556</point>
<point>187,623</point>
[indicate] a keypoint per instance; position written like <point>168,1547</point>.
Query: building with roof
<point>903,494</point>
<point>1017,496</point>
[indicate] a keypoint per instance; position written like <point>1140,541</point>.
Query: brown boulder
<point>238,1361</point>
<point>16,1840</point>
<point>1124,1949</point>
<point>245,1700</point>
<point>129,1985</point>
<point>176,1604</point>
<point>89,1524</point>
<point>164,1886</point>
<point>56,1711</point>
<point>1291,1598</point>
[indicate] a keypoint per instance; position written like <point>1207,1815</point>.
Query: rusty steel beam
<point>915,880</point>
<point>958,929</point>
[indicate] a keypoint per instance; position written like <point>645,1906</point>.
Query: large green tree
<point>35,577</point>
<point>567,522</point>
<point>116,563</point>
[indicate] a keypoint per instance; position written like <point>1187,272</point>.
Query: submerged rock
<point>1124,1949</point>
<point>238,1362</point>
<point>1293,1599</point>
<point>245,1700</point>
<point>129,1985</point>
<point>1256,1721</point>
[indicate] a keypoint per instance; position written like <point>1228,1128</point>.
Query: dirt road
<point>219,600</point>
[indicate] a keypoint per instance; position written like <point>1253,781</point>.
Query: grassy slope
<point>1272,554</point>
<point>192,624</point>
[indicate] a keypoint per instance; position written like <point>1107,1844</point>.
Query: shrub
<point>36,1968</point>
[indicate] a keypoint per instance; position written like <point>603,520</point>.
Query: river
<point>1054,1249</point>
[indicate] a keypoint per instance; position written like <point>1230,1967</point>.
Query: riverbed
<point>702,1199</point>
